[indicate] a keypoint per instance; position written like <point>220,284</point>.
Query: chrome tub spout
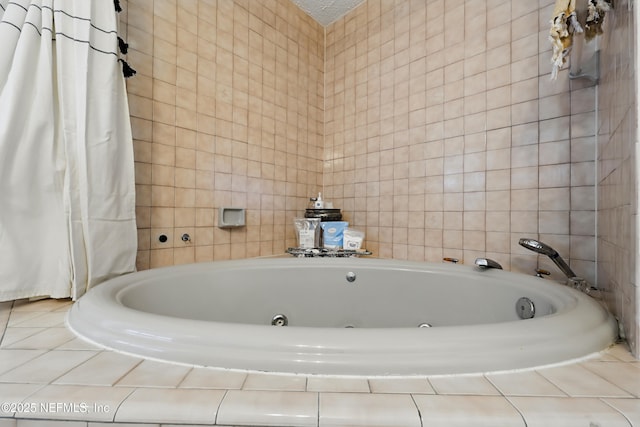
<point>544,249</point>
<point>485,263</point>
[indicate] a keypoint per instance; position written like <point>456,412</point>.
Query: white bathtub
<point>219,314</point>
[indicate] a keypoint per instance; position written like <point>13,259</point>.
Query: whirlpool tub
<point>343,316</point>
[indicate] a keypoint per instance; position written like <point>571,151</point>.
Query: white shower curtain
<point>67,195</point>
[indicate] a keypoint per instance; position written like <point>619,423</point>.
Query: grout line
<point>609,380</point>
<point>603,400</point>
<point>417,409</point>
<point>324,106</point>
<point>215,421</point>
<point>115,412</point>
<point>595,173</point>
<point>5,322</point>
<point>513,405</point>
<point>126,373</point>
<point>179,384</point>
<point>318,409</point>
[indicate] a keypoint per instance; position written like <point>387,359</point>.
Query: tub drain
<point>525,308</point>
<point>279,320</point>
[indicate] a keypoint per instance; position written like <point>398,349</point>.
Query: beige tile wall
<point>226,110</point>
<point>444,136</point>
<point>617,172</point>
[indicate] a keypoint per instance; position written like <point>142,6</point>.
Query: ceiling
<point>327,11</point>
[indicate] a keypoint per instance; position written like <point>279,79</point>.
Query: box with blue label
<point>333,233</point>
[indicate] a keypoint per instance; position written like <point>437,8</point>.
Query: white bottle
<point>319,203</point>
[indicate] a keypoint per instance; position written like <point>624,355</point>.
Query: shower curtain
<point>67,190</point>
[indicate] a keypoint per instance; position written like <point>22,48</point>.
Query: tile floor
<point>49,377</point>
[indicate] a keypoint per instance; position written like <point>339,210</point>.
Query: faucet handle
<point>487,263</point>
<point>541,271</point>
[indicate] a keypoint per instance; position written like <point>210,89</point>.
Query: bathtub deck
<point>46,373</point>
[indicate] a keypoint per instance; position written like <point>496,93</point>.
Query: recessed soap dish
<point>231,217</point>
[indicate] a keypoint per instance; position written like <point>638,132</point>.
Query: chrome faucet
<point>544,249</point>
<point>485,263</point>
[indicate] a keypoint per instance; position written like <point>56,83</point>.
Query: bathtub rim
<point>448,354</point>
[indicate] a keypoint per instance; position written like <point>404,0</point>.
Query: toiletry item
<point>324,214</point>
<point>333,233</point>
<point>352,239</point>
<point>319,203</point>
<point>307,232</point>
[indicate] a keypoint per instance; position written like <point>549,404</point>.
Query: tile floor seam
<point>53,380</point>
<point>5,323</point>
<point>552,383</point>
<point>592,398</point>
<point>515,407</point>
<point>186,374</point>
<point>215,421</point>
<point>115,383</point>
<point>417,409</point>
<point>317,409</point>
<point>435,391</point>
<point>562,389</point>
<point>244,382</point>
<point>621,387</point>
<point>13,345</point>
<point>494,385</point>
<point>47,351</point>
<point>502,393</point>
<point>115,413</point>
<point>23,363</point>
<point>26,398</point>
<point>31,335</point>
<point>602,399</point>
<point>183,378</point>
<point>32,315</point>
